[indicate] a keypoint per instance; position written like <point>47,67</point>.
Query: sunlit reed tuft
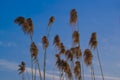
<point>76,37</point>
<point>77,70</point>
<point>73,16</point>
<point>45,41</point>
<point>51,20</point>
<point>31,26</point>
<point>93,41</point>
<point>34,51</point>
<point>69,55</point>
<point>57,41</point>
<point>62,49</point>
<point>88,57</point>
<point>22,67</point>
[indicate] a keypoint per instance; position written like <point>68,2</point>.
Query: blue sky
<point>101,16</point>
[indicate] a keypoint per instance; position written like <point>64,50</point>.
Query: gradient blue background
<point>101,16</point>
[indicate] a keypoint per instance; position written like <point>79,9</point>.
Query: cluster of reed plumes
<point>63,66</point>
<point>27,24</point>
<point>68,61</point>
<point>72,55</point>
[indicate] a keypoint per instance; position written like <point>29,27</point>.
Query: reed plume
<point>93,41</point>
<point>93,44</point>
<point>57,41</point>
<point>23,23</point>
<point>20,20</point>
<point>62,49</point>
<point>26,24</point>
<point>67,70</point>
<point>78,52</point>
<point>22,69</point>
<point>34,51</point>
<point>88,57</point>
<point>45,42</point>
<point>51,20</point>
<point>69,55</point>
<point>45,46</point>
<point>77,70</point>
<point>34,56</point>
<point>76,37</point>
<point>73,16</point>
<point>31,26</point>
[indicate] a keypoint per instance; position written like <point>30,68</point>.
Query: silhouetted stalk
<point>39,69</point>
<point>49,30</point>
<point>31,38</point>
<point>31,58</point>
<point>82,69</point>
<point>100,64</point>
<point>23,76</point>
<point>44,63</point>
<point>28,75</point>
<point>35,73</point>
<point>32,66</point>
<point>61,73</point>
<point>93,74</point>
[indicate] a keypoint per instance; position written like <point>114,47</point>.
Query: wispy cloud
<point>14,66</point>
<point>7,44</point>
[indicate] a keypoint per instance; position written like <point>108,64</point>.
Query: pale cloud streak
<point>7,44</point>
<point>14,66</point>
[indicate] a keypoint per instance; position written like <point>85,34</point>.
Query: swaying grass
<point>94,44</point>
<point>74,54</point>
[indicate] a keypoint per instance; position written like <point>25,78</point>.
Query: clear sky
<point>101,16</point>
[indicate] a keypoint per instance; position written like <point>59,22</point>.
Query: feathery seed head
<point>51,20</point>
<point>73,16</point>
<point>88,57</point>
<point>45,41</point>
